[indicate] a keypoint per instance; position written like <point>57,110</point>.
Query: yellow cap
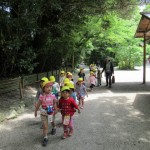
<point>62,72</point>
<point>52,78</point>
<point>69,74</point>
<point>65,88</point>
<point>94,70</point>
<point>80,79</point>
<point>91,72</point>
<point>66,80</point>
<point>45,83</point>
<point>44,79</point>
<point>71,85</point>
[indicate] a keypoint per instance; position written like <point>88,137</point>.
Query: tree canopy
<point>40,35</point>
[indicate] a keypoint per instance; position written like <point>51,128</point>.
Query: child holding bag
<point>48,103</point>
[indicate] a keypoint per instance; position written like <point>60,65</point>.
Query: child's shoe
<point>70,132</point>
<point>44,142</point>
<point>53,132</point>
<point>65,135</point>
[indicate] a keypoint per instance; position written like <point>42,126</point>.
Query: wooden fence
<point>9,85</point>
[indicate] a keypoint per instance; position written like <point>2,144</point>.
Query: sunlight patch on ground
<point>144,140</point>
<point>108,114</point>
<point>4,127</point>
<point>129,96</point>
<point>25,116</point>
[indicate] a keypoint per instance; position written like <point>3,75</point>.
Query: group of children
<point>53,97</point>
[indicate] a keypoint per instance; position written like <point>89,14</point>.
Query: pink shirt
<point>92,80</point>
<point>47,100</point>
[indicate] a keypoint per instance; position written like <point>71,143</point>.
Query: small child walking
<point>81,92</point>
<point>72,91</point>
<point>55,86</point>
<point>61,78</point>
<point>67,107</point>
<point>48,103</point>
<point>39,90</point>
<point>92,80</point>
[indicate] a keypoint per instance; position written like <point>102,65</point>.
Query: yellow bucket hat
<point>62,72</point>
<point>52,78</point>
<point>91,72</point>
<point>44,79</point>
<point>80,79</point>
<point>65,88</point>
<point>46,83</point>
<point>71,85</point>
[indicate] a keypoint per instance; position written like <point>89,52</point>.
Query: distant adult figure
<point>81,74</point>
<point>109,70</point>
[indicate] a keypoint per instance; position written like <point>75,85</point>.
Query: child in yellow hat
<point>55,87</point>
<point>72,91</point>
<point>92,80</point>
<point>39,90</point>
<point>67,107</point>
<point>48,103</point>
<point>61,78</point>
<point>69,75</point>
<point>81,92</point>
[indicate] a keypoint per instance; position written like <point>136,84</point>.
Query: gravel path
<point>113,119</point>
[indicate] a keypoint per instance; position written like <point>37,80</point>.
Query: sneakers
<point>53,132</point>
<point>70,132</point>
<point>44,142</point>
<point>65,135</point>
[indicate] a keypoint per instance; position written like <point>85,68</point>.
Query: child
<point>66,81</point>
<point>69,76</point>
<point>99,75</point>
<point>48,103</point>
<point>39,91</point>
<point>81,92</point>
<point>92,80</point>
<point>67,107</point>
<point>61,79</point>
<point>72,92</point>
<point>55,87</point>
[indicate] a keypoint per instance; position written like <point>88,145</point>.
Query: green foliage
<point>40,35</point>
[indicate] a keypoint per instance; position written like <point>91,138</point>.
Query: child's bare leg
<point>82,102</point>
<point>71,127</point>
<point>45,129</point>
<point>53,132</point>
<point>65,131</point>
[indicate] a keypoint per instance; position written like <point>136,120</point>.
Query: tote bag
<point>113,79</point>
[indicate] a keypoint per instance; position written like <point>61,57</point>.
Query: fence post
<point>22,81</point>
<point>20,89</point>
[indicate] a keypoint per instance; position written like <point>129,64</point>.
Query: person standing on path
<point>81,74</point>
<point>109,70</point>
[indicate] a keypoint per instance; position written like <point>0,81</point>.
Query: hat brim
<point>49,84</point>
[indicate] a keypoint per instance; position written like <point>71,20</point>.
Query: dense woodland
<point>41,35</point>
